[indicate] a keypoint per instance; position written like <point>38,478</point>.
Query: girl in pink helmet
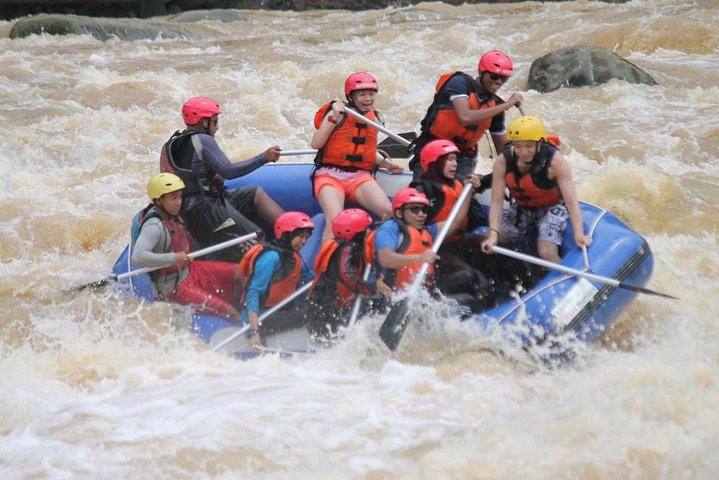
<point>347,153</point>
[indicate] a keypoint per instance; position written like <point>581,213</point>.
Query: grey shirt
<point>150,251</point>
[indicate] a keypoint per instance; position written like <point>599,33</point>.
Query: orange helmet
<point>195,109</point>
<point>497,62</point>
<point>409,195</point>
<point>360,81</point>
<point>434,150</point>
<point>288,222</point>
<point>350,222</point>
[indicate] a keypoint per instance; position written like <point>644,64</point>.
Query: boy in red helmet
<point>464,108</point>
<point>401,245</point>
<point>213,214</point>
<point>348,155</point>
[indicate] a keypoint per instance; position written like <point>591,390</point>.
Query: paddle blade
<point>395,149</point>
<point>395,324</point>
<point>94,286</point>
<point>636,288</point>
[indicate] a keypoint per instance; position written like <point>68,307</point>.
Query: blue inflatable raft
<point>556,305</point>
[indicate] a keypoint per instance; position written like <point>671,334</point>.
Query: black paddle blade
<point>395,324</point>
<point>395,149</point>
<point>635,288</point>
<point>92,286</point>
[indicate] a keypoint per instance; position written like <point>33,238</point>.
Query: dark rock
<point>100,28</point>
<point>582,66</point>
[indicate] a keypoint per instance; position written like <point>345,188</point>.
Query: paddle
<point>397,320</point>
<point>358,300</point>
<point>264,316</point>
<point>589,276</point>
<point>381,128</point>
<point>134,273</point>
<point>309,151</point>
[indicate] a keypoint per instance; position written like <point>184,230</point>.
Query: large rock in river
<point>582,66</point>
<point>100,28</point>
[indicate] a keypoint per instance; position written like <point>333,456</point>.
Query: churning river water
<point>95,385</point>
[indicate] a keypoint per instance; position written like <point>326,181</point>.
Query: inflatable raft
<point>557,304</point>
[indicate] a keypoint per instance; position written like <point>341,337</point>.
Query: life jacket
<point>176,157</point>
<point>442,198</point>
<point>180,240</point>
<point>283,282</point>
<point>326,269</point>
<point>352,145</point>
<point>441,120</point>
<point>411,241</point>
<point>532,189</point>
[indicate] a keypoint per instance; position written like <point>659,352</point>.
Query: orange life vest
<point>352,143</point>
<point>412,241</point>
<point>284,280</point>
<point>345,296</point>
<point>445,204</point>
<point>532,189</point>
<point>442,120</point>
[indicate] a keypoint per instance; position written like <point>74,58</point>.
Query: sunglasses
<point>494,77</point>
<point>416,210</point>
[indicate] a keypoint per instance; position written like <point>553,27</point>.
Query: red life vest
<point>352,143</point>
<point>532,189</point>
<point>442,120</point>
<point>283,282</point>
<point>344,295</point>
<point>412,241</point>
<point>180,240</point>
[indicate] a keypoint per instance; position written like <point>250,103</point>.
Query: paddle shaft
<point>396,321</point>
<point>381,128</point>
<point>442,234</point>
<point>589,276</point>
<point>140,271</point>
<point>309,151</point>
<point>195,254</point>
<point>358,300</point>
<point>264,316</point>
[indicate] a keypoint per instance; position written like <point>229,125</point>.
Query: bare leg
<point>332,202</point>
<point>549,251</point>
<point>267,208</point>
<point>371,196</point>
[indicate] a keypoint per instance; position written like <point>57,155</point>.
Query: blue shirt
<point>265,267</point>
<point>389,236</point>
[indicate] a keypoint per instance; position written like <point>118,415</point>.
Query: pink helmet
<point>288,222</point>
<point>497,62</point>
<point>360,81</point>
<point>195,109</point>
<point>434,150</point>
<point>349,223</point>
<point>409,195</point>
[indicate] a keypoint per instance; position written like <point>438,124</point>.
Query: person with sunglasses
<point>212,213</point>
<point>401,245</point>
<point>464,108</point>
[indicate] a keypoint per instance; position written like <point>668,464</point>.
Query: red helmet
<point>288,222</point>
<point>349,223</point>
<point>409,195</point>
<point>360,81</point>
<point>434,150</point>
<point>195,109</point>
<point>497,62</point>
